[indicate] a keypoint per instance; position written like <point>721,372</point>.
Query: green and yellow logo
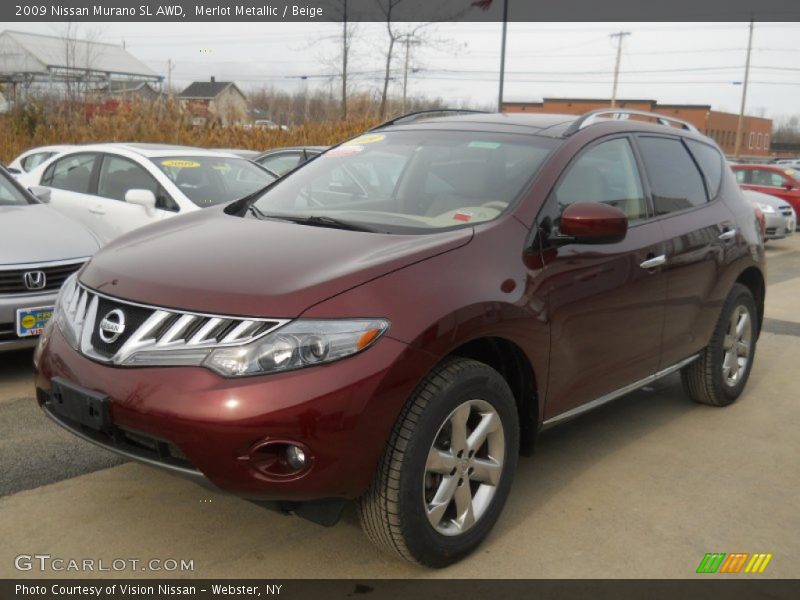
<point>720,562</point>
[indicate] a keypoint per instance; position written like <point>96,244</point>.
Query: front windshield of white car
<point>411,181</point>
<point>210,180</point>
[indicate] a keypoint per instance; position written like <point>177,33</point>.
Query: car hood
<point>37,233</point>
<point>212,262</point>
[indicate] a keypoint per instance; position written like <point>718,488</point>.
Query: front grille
<point>150,329</point>
<point>12,281</point>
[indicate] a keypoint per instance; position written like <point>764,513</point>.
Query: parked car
<point>780,220</point>
<point>30,159</point>
<point>780,181</point>
<point>283,160</point>
<point>115,188</point>
<point>39,249</point>
<point>789,162</point>
<point>399,344</point>
<point>241,153</point>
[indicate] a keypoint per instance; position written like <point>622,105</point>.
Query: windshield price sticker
<point>366,139</point>
<point>345,150</point>
<point>181,164</point>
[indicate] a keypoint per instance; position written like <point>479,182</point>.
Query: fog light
<point>295,457</point>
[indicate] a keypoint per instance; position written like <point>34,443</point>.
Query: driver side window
<point>605,173</point>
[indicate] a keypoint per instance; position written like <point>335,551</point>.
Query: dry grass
<point>158,124</point>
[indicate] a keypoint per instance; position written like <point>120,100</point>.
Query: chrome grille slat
<point>161,329</point>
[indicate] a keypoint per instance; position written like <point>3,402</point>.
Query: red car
<point>776,180</point>
<point>396,319</point>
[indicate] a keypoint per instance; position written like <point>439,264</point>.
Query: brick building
<point>720,126</point>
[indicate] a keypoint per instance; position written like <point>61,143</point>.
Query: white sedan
<point>115,188</point>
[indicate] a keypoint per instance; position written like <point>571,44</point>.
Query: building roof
<point>207,90</point>
<point>43,55</point>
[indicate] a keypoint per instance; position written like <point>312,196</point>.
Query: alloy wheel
<point>463,467</point>
<point>737,345</point>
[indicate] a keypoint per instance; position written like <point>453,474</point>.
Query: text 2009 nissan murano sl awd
<point>396,319</point>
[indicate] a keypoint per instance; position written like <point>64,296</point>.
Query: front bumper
<point>195,423</point>
<point>778,226</point>
<point>8,318</point>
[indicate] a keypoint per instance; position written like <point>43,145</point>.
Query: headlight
<point>60,318</point>
<point>765,208</point>
<point>301,343</point>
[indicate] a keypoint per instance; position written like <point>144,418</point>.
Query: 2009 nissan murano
<point>393,321</point>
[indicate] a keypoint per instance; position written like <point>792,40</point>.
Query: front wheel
<point>719,375</point>
<point>447,469</point>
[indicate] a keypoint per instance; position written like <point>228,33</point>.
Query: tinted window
<point>605,173</point>
<point>118,175</point>
<point>741,176</point>
<point>281,163</point>
<point>710,161</point>
<point>72,173</point>
<point>675,182</point>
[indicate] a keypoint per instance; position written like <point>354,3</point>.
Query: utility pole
<point>345,51</point>
<point>503,56</point>
<point>169,76</point>
<point>409,42</point>
<point>740,123</point>
<point>620,36</point>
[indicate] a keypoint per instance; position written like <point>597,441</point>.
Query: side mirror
<point>593,223</point>
<point>144,198</point>
<point>789,186</point>
<point>42,194</point>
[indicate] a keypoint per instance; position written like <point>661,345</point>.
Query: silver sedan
<point>780,217</point>
<point>39,249</point>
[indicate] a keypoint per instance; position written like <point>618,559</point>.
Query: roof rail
<point>422,113</point>
<point>590,117</point>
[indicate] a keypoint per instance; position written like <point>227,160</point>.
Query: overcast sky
<point>698,63</point>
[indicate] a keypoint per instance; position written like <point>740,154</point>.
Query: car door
<point>112,215</point>
<point>685,177</point>
<point>605,302</point>
<point>70,181</point>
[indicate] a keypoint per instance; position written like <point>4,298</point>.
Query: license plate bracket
<point>79,404</point>
<point>31,321</point>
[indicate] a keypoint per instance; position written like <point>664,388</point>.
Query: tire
<point>717,378</point>
<point>408,482</point>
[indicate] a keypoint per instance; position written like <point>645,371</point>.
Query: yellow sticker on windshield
<point>180,164</point>
<point>370,138</point>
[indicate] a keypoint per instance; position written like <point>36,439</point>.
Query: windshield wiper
<point>312,220</point>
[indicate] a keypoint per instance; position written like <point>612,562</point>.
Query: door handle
<point>98,210</point>
<point>652,263</point>
<point>729,234</point>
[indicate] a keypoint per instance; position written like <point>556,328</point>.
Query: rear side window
<point>710,161</point>
<point>675,181</point>
<point>741,176</point>
<point>72,173</point>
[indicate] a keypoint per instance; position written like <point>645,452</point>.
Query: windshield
<point>10,195</point>
<point>793,173</point>
<point>210,180</point>
<point>410,181</point>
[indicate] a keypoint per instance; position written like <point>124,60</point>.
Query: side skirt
<point>591,405</point>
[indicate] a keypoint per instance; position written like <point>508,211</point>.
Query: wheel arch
<point>508,359</point>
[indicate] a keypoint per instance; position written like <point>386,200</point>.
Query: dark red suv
<point>393,321</point>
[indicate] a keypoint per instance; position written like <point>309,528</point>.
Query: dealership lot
<point>643,487</point>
